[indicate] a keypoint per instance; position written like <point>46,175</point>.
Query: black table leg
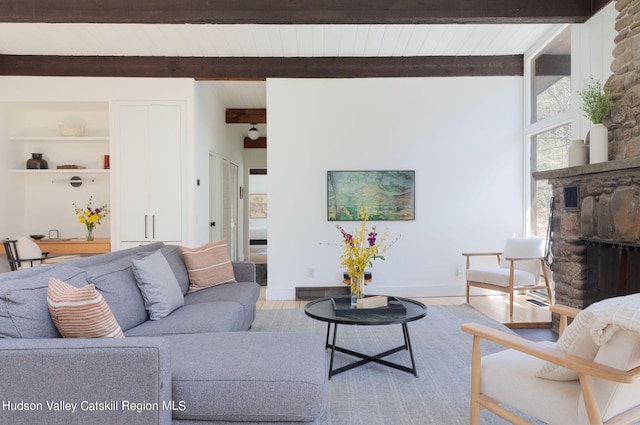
<point>377,358</point>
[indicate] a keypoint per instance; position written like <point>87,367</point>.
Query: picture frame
<point>258,205</point>
<point>382,195</point>
<point>54,234</point>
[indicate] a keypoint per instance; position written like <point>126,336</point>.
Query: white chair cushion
<point>500,277</point>
<point>523,248</point>
<point>27,249</point>
<point>552,402</point>
<point>621,352</point>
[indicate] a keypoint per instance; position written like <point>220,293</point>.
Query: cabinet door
<point>133,137</point>
<point>166,136</point>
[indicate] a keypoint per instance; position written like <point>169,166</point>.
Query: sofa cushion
<point>198,318</point>
<point>80,312</point>
<point>244,293</point>
<point>208,265</point>
<point>117,284</point>
<point>23,300</point>
<point>158,285</point>
<point>249,376</point>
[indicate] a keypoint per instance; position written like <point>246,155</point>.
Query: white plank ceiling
<point>267,40</point>
<point>191,40</point>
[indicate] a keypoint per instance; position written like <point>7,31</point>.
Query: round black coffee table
<point>324,309</point>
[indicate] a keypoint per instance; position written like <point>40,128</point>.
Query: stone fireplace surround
<point>609,192</point>
<point>609,211</point>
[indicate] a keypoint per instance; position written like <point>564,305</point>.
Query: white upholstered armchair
<point>590,376</point>
<point>520,266</point>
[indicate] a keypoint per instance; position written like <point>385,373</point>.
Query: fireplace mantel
<point>581,170</point>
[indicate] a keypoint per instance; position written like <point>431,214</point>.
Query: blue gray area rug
<point>376,395</point>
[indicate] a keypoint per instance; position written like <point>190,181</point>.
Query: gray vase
<point>36,162</point>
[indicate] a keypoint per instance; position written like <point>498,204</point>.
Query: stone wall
<point>624,121</point>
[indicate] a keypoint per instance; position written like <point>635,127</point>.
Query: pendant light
<point>253,132</point>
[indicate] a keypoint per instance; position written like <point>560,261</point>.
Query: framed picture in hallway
<point>257,205</point>
<point>384,195</point>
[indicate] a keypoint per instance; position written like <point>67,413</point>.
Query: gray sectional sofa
<point>198,365</point>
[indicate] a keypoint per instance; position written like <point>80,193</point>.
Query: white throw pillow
<point>27,249</point>
<point>577,340</point>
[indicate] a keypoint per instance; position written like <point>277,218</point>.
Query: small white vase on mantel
<point>598,144</point>
<point>578,153</point>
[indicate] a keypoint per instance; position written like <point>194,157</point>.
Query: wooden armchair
<point>605,391</point>
<point>519,268</point>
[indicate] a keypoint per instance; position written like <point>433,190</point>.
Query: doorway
<point>258,222</point>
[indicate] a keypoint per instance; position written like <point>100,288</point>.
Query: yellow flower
<point>362,247</point>
<point>89,216</point>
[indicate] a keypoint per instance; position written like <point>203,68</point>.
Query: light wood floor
<point>525,313</point>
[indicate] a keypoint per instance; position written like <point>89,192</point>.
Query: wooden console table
<point>72,246</point>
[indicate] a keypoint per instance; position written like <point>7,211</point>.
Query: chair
<point>520,265</point>
<point>604,387</point>
<point>31,253</point>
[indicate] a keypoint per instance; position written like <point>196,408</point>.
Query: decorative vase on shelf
<point>357,288</point>
<point>578,153</point>
<point>36,162</point>
<point>598,144</point>
<point>89,233</point>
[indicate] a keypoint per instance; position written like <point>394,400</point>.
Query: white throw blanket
<point>623,313</point>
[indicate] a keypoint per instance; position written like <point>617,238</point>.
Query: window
<point>549,130</point>
<point>549,151</point>
<point>551,83</point>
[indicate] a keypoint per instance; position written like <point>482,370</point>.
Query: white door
<point>151,173</point>
<point>133,133</point>
<point>165,182</point>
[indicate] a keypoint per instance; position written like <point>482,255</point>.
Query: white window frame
<point>532,129</point>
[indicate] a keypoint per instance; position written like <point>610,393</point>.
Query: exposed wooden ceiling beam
<point>299,11</point>
<point>259,143</point>
<point>261,68</point>
<point>246,116</point>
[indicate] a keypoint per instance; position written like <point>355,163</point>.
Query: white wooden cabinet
<point>151,142</point>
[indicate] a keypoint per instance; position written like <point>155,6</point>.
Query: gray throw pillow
<point>158,284</point>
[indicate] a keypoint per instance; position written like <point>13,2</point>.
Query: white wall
<point>592,45</point>
<point>462,136</point>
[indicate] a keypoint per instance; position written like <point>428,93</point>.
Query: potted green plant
<point>597,102</point>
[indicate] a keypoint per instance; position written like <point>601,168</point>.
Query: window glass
<point>551,84</point>
<point>549,152</point>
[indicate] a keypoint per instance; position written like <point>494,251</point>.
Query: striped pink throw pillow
<point>208,265</point>
<point>80,312</point>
